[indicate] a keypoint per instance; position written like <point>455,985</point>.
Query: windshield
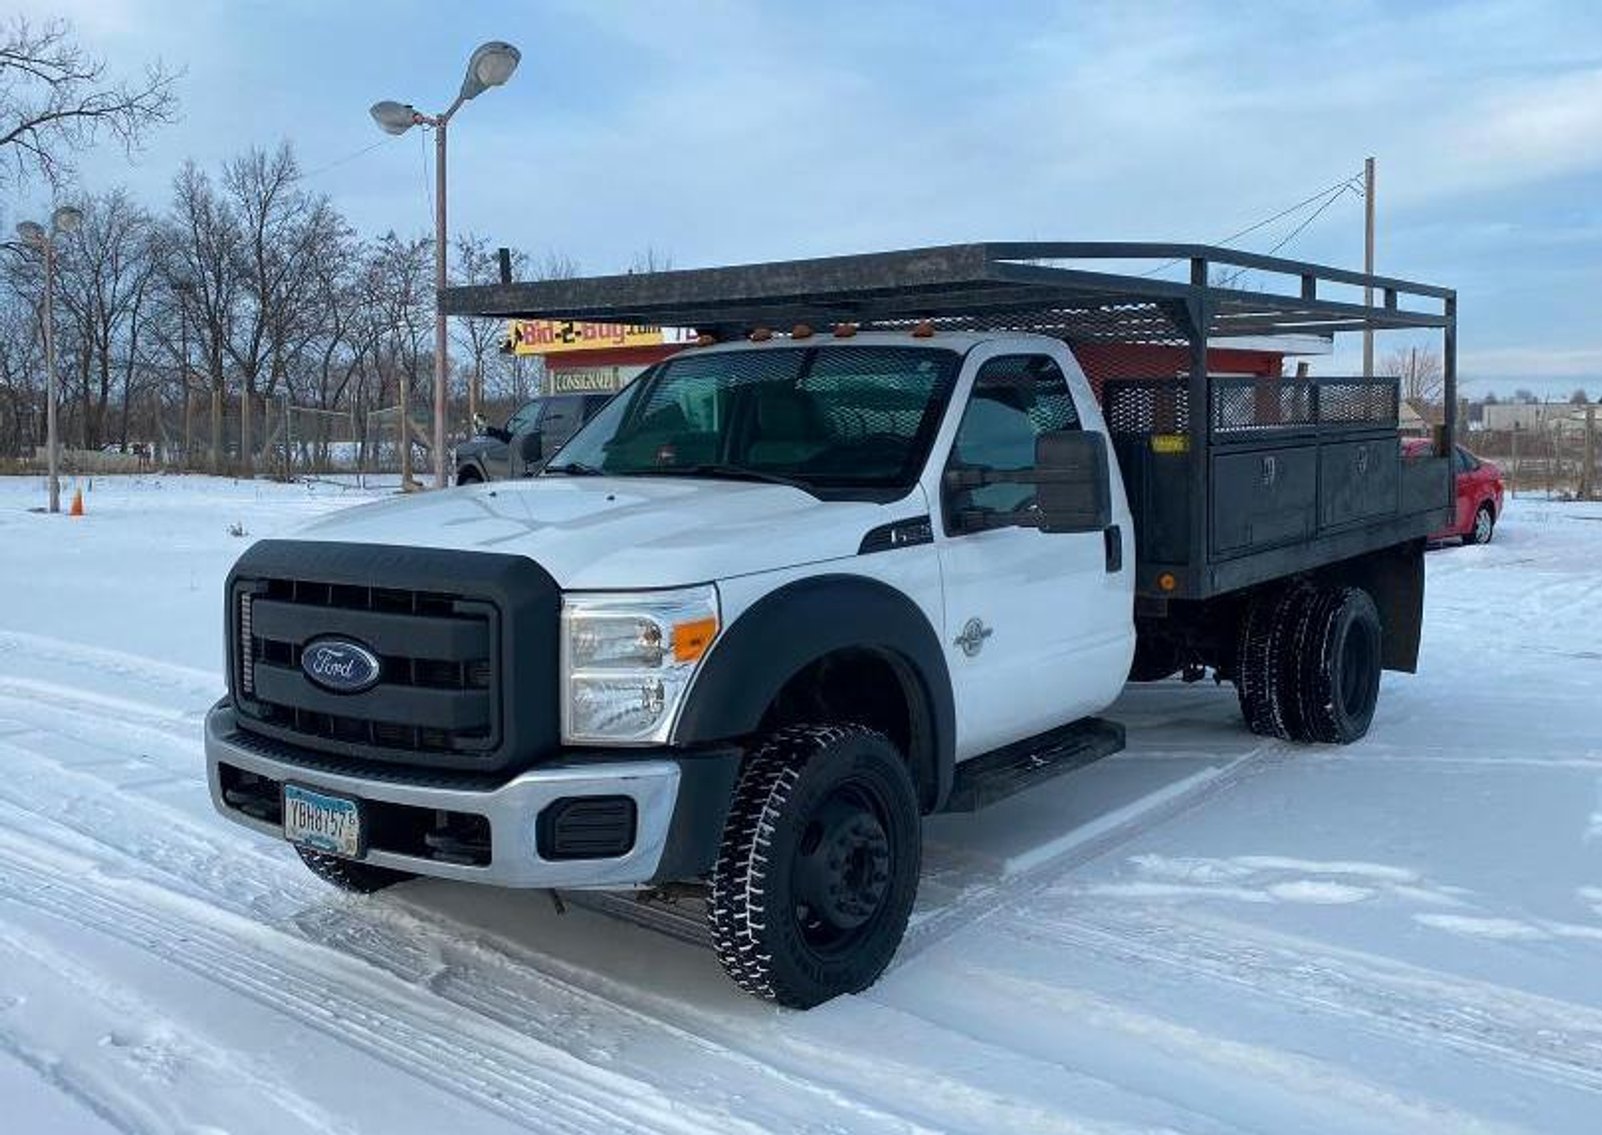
<point>830,418</point>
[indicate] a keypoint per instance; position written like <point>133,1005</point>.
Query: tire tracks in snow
<point>477,1060</point>
<point>433,955</point>
<point>116,1007</point>
<point>1077,848</point>
<point>1557,1041</point>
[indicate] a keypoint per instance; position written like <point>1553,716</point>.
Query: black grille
<point>465,644</point>
<point>436,689</point>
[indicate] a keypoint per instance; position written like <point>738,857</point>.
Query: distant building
<point>1563,417</point>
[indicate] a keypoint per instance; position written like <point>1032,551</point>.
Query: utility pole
<point>1368,262</point>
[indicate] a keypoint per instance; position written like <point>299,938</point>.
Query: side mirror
<point>528,453</point>
<point>1073,481</point>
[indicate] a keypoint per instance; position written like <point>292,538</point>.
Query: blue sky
<point>722,131</point>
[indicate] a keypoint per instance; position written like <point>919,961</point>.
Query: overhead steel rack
<point>1098,296</point>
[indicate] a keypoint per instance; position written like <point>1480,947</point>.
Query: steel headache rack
<point>1277,475</point>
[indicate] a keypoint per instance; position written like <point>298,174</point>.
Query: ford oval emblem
<point>340,665</point>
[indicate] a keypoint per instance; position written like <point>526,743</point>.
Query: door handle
<point>1113,541</point>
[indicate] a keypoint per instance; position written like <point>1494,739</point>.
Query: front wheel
<point>350,874</point>
<point>819,865</point>
<point>1484,525</point>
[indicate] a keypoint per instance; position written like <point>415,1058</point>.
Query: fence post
<point>1588,472</point>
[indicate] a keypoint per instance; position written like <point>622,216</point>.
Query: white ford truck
<point>877,547</point>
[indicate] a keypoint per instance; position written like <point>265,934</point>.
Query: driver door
<point>1039,628</point>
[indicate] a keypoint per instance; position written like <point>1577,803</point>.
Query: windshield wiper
<point>726,472</point>
<point>574,469</point>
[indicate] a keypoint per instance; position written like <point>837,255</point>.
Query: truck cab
<point>785,595</point>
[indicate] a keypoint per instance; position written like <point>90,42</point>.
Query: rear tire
<point>819,864</point>
<point>1260,658</point>
<point>1339,668</point>
<point>350,875</point>
<point>1484,526</point>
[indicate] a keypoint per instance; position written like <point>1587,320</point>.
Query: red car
<point>1479,493</point>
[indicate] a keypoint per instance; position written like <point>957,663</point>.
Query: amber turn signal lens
<point>691,639</point>
<point>1166,581</point>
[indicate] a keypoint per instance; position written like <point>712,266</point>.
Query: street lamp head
<point>32,232</point>
<point>393,117</point>
<point>491,65</point>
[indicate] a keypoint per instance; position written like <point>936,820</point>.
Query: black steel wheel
<point>1340,666</point>
<point>1484,526</point>
<point>819,864</point>
<point>350,874</point>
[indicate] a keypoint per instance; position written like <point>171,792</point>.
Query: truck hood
<point>596,533</point>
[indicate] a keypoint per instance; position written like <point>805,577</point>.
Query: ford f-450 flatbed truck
<point>875,548</point>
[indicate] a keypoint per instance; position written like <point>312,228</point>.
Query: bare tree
<point>56,99</point>
<point>1579,397</point>
<point>203,242</point>
<point>1422,377</point>
<point>648,259</point>
<point>105,277</point>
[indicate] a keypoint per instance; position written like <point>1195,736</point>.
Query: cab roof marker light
<point>844,330</point>
<point>761,335</point>
<point>705,339</point>
<point>801,331</point>
<point>924,330</point>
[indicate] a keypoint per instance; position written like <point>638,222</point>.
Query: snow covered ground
<point>1204,934</point>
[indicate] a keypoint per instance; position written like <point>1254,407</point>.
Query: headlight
<point>627,660</point>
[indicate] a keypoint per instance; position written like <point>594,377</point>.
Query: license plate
<point>322,822</point>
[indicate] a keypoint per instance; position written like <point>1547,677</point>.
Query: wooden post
<point>1588,473</point>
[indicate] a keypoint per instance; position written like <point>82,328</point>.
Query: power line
<point>1339,192</point>
<point>347,158</point>
<point>1345,183</point>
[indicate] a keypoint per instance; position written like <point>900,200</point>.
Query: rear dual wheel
<point>1309,663</point>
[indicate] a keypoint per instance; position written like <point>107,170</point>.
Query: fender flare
<point>801,622</point>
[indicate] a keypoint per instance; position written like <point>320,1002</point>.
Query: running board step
<point>984,780</point>
<point>678,916</point>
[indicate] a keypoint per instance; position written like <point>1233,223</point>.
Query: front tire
<point>349,874</point>
<point>1484,526</point>
<point>819,864</point>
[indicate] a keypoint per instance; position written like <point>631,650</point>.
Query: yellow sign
<point>554,336</point>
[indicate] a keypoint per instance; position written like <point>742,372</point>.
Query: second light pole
<point>491,65</point>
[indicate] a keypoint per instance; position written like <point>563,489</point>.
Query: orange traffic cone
<point>77,504</point>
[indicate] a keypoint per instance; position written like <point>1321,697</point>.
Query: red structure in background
<point>1108,362</point>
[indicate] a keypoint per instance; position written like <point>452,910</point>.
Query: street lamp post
<point>490,65</point>
<point>64,220</point>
